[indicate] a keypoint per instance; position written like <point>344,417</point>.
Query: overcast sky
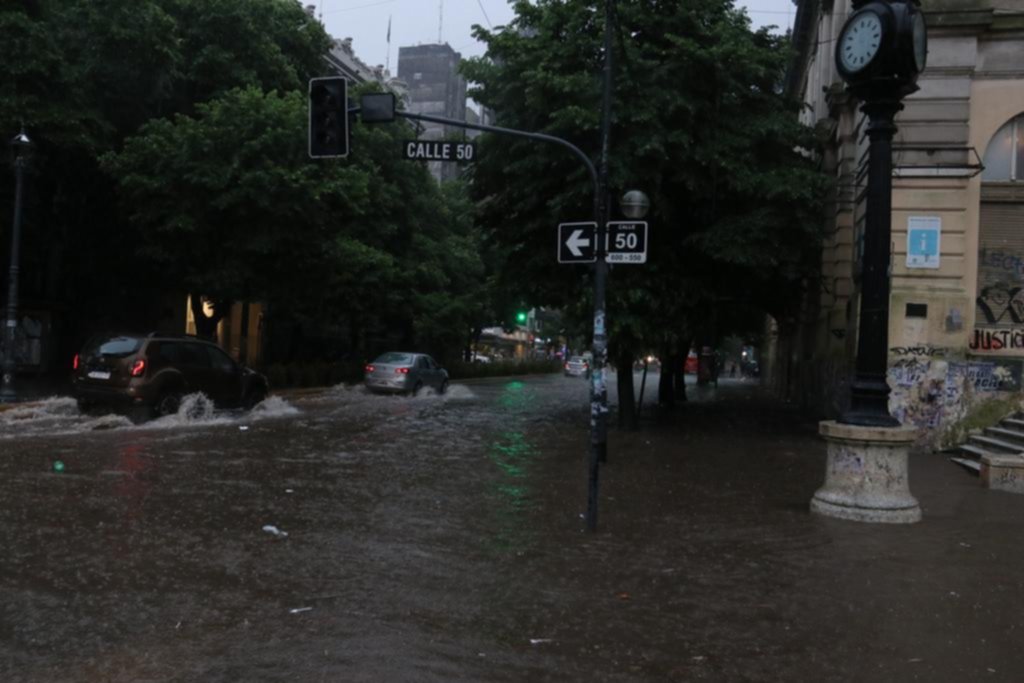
<point>414,22</point>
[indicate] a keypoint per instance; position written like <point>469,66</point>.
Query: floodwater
<point>341,536</point>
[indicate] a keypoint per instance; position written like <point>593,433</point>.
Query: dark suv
<point>148,374</point>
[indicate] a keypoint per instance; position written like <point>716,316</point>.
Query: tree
<point>223,197</point>
<point>699,124</point>
<point>65,76</point>
<point>229,207</point>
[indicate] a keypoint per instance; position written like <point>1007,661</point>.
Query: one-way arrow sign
<point>577,242</point>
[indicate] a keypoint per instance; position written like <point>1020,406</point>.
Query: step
<point>1013,422</point>
<point>972,465</point>
<point>997,443</point>
<point>1001,432</point>
<point>1003,472</point>
<point>975,452</point>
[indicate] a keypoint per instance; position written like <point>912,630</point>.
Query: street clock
<point>883,48</point>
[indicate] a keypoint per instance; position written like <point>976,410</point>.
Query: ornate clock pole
<point>880,52</point>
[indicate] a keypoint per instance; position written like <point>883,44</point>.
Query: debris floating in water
<point>271,529</point>
<point>58,466</point>
<point>297,610</point>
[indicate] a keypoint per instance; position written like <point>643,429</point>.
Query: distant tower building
<point>484,117</point>
<point>435,87</point>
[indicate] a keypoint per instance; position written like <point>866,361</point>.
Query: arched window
<point>1004,157</point>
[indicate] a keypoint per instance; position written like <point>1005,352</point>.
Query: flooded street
<point>341,536</point>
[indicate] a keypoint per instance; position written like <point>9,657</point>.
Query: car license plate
<point>99,374</point>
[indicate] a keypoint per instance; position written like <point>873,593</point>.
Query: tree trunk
<point>643,386</point>
<point>666,380</point>
<point>627,397</point>
<point>679,377</point>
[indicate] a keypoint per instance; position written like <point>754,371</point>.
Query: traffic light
<point>328,117</point>
<point>521,317</point>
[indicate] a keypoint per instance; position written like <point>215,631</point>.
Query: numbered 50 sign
<point>626,242</point>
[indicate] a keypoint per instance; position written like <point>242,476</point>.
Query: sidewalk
<point>776,593</point>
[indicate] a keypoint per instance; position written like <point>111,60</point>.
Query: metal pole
<point>598,384</point>
<point>591,169</point>
<point>7,391</point>
<point>869,393</point>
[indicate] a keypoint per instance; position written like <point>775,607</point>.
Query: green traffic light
<point>521,317</point>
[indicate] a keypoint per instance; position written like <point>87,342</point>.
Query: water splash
<point>274,406</point>
<point>459,392</point>
<point>48,408</point>
<point>50,416</point>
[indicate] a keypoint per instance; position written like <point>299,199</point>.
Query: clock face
<point>860,41</point>
<point>920,42</point>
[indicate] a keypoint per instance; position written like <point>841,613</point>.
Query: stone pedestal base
<point>866,474</point>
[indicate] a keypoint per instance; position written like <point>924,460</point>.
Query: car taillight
<point>402,371</point>
<point>74,363</point>
<point>369,369</point>
<point>138,367</point>
<point>566,366</point>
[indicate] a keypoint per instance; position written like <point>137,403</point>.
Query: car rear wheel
<point>444,387</point>
<point>254,398</point>
<point>416,389</point>
<point>168,404</point>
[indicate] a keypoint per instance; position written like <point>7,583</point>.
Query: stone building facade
<point>956,322</point>
<point>435,87</point>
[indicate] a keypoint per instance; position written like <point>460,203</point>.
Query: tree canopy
<point>699,124</point>
<point>184,170</point>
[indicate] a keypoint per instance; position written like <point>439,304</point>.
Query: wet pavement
<point>341,536</point>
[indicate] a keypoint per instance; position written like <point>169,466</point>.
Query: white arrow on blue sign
<point>577,242</point>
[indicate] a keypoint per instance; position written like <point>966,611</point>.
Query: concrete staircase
<point>996,455</point>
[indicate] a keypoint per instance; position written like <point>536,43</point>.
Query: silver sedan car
<point>577,366</point>
<point>398,372</point>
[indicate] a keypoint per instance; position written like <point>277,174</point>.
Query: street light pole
<point>21,146</point>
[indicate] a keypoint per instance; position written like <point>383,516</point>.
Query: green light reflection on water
<point>512,453</point>
<point>515,396</point>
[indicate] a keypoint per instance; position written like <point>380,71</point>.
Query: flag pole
<point>387,60</point>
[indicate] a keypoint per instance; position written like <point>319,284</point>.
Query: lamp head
<point>21,145</point>
<point>634,204</point>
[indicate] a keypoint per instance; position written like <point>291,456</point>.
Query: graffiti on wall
<point>918,351</point>
<point>997,340</point>
<point>928,393</point>
<point>996,259</point>
<point>999,303</point>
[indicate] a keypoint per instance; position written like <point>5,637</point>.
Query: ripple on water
<point>358,393</point>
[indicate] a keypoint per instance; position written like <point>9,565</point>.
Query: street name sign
<point>626,242</point>
<point>577,242</point>
<point>437,150</point>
